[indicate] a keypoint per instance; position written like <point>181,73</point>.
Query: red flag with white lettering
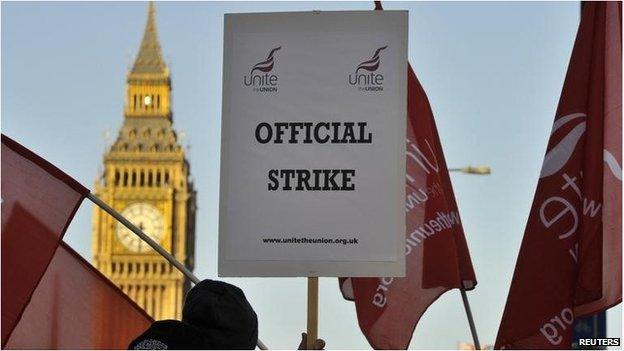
<point>570,262</point>
<point>51,297</point>
<point>436,253</point>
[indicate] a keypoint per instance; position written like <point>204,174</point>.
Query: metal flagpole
<point>152,244</point>
<point>473,329</point>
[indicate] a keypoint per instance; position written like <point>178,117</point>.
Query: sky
<point>493,73</point>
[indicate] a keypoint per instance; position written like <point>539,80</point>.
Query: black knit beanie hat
<point>223,314</point>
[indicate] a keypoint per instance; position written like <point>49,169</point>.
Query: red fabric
<point>38,202</point>
<point>437,257</point>
<point>570,262</point>
<point>76,307</point>
<point>51,297</point>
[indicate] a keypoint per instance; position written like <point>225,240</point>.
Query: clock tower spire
<point>149,59</point>
<point>147,178</point>
<point>149,84</point>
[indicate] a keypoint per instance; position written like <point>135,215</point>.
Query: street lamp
<point>479,170</point>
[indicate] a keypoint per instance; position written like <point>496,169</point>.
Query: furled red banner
<point>52,298</point>
<point>436,253</point>
<point>570,262</point>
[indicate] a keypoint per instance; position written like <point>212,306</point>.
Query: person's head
<point>216,315</point>
<point>223,313</point>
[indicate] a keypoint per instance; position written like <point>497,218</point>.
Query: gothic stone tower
<point>146,178</point>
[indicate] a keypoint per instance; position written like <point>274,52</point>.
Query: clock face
<point>147,100</point>
<point>147,218</point>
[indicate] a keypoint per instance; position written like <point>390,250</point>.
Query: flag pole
<point>312,329</point>
<point>473,329</point>
<point>152,244</point>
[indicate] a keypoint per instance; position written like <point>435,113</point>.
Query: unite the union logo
<point>263,80</point>
<point>366,77</point>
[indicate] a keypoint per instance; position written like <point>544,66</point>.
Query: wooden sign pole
<point>312,312</point>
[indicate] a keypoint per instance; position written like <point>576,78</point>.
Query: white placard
<point>313,144</point>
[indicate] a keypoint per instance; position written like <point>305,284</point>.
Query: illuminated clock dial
<point>147,218</point>
<point>147,100</point>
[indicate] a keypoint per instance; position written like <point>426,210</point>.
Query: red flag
<point>570,262</point>
<point>76,307</point>
<point>437,257</point>
<point>51,298</point>
<point>31,189</point>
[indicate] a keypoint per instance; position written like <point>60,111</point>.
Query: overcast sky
<point>493,73</point>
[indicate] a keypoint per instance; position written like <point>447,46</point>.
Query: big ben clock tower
<point>146,178</point>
